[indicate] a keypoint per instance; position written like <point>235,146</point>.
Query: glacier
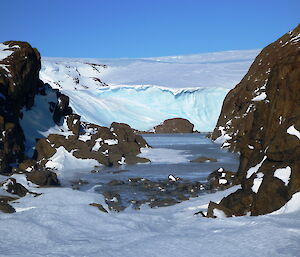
<point>143,92</point>
<point>143,107</point>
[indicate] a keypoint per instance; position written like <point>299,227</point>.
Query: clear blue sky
<point>144,28</point>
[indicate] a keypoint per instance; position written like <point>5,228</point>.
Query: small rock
<point>6,208</point>
<point>11,186</point>
<point>116,182</point>
<point>204,159</point>
<point>99,206</point>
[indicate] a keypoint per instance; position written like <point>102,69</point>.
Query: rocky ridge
<point>260,119</point>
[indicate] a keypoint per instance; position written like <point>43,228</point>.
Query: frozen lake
<point>170,154</point>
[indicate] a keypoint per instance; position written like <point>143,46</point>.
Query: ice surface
<point>164,155</point>
<point>284,174</point>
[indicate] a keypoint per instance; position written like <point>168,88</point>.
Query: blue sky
<point>144,28</point>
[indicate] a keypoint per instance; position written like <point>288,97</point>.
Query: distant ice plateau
<point>143,92</point>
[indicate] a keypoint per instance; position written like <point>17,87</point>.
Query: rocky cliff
<point>260,119</point>
<point>19,82</point>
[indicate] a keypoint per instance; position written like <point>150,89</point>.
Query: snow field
<point>61,223</point>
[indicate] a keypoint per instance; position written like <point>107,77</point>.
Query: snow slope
<point>61,223</point>
<point>144,92</point>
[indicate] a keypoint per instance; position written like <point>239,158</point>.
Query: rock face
<point>19,82</point>
<point>260,118</point>
<point>176,125</point>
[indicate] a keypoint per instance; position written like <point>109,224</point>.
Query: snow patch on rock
<point>283,174</point>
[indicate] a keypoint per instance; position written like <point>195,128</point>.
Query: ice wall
<point>143,107</point>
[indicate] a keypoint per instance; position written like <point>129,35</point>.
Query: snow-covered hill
<point>144,92</point>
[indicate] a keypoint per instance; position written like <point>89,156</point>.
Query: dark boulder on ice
<point>175,125</point>
<point>260,118</point>
<point>99,206</point>
<point>11,186</point>
<point>204,159</point>
<point>6,208</point>
<point>43,178</point>
<point>62,108</point>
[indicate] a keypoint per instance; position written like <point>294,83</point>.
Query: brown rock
<point>11,186</point>
<point>204,159</point>
<point>176,125</point>
<point>43,178</point>
<point>99,206</point>
<point>6,208</point>
<point>221,179</point>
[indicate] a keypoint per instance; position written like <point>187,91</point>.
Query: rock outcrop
<point>175,125</point>
<point>260,118</point>
<point>19,82</point>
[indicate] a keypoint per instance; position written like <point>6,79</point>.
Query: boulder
<point>204,159</point>
<point>176,125</point>
<point>43,178</point>
<point>6,208</point>
<point>221,179</point>
<point>11,186</point>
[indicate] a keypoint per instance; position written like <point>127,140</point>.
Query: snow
<point>223,138</point>
<point>218,69</point>
<point>60,222</point>
<point>293,205</point>
<point>257,182</point>
<point>38,122</point>
<point>219,213</point>
<point>97,145</point>
<point>255,168</point>
<point>4,51</point>
<point>283,174</point>
<point>293,131</point>
<point>111,141</point>
<point>84,137</point>
<point>145,92</point>
<point>260,97</point>
<point>63,160</point>
<point>222,181</point>
<point>122,161</point>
